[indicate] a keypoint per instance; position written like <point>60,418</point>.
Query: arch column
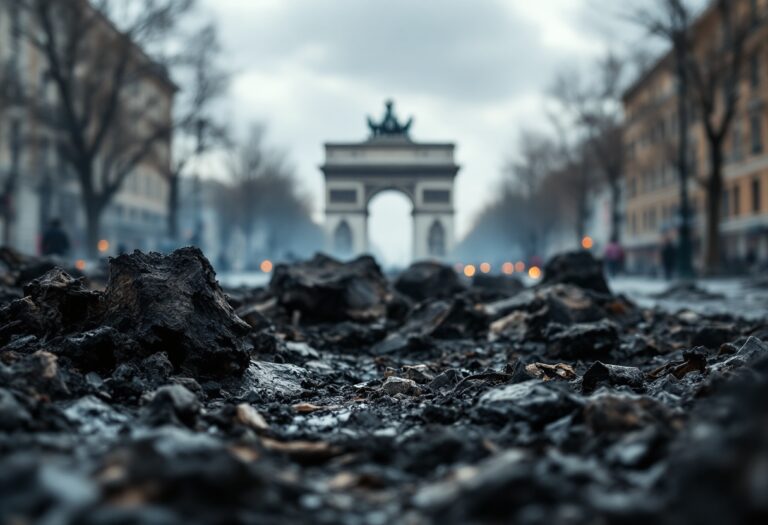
<point>358,226</point>
<point>433,209</point>
<point>423,221</point>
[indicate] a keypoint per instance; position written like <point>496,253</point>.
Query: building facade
<point>36,182</point>
<point>651,181</point>
<point>389,159</point>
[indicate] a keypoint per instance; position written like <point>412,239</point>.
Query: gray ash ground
<point>336,396</point>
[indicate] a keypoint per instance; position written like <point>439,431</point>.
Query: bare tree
<point>528,184</point>
<point>671,21</point>
<point>99,71</point>
<point>595,108</point>
<point>538,156</point>
<point>263,191</point>
<point>573,179</point>
<point>11,97</point>
<point>249,164</point>
<point>197,130</point>
<point>716,70</point>
<point>545,190</point>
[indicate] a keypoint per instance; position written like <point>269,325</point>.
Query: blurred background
<point>487,134</point>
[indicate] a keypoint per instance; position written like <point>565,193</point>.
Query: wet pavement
<point>336,394</point>
<point>746,295</point>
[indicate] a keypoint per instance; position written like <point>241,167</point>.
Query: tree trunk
<point>685,242</point>
<point>173,206</point>
<point>714,195</point>
<point>248,247</point>
<point>615,233</point>
<point>92,227</point>
<point>7,220</point>
<point>9,213</point>
<point>44,192</point>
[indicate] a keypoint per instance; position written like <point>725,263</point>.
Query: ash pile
<point>337,396</point>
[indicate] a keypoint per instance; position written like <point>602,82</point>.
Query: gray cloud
<point>469,71</point>
<point>461,49</point>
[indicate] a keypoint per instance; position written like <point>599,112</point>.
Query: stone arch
<point>389,159</point>
<point>436,239</point>
<point>342,238</point>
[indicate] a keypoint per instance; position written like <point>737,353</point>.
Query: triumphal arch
<point>389,160</point>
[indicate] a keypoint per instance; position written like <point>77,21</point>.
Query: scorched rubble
<point>337,396</point>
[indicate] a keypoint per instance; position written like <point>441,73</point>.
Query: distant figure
<point>668,255</point>
<point>614,257</point>
<point>55,239</point>
<point>121,248</point>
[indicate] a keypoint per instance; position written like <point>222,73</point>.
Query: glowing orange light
<point>508,268</point>
<point>266,266</point>
<point>80,264</point>
<point>103,245</point>
<point>519,266</point>
<point>485,267</point>
<point>469,270</point>
<point>534,272</point>
<point>587,242</point>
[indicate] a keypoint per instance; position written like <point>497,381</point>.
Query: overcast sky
<point>469,71</point>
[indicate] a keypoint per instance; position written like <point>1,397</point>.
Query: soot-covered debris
<point>336,396</point>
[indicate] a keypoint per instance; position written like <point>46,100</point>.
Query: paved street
<point>736,296</point>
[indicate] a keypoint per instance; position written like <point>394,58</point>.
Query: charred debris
<point>335,395</point>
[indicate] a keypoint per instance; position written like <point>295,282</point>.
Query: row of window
<point>144,184</point>
<point>664,176</point>
<point>731,204</point>
<point>652,180</point>
<point>755,133</point>
<point>655,217</point>
<point>665,128</point>
<point>133,214</point>
<point>665,131</point>
<point>428,196</point>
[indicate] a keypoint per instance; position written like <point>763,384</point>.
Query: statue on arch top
<point>389,125</point>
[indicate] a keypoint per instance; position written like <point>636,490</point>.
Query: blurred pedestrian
<point>614,257</point>
<point>668,256</point>
<point>55,239</point>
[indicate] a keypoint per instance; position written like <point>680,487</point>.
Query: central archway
<point>390,227</point>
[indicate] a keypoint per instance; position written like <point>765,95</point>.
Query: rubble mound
<point>174,304</point>
<point>428,280</point>
<point>324,289</point>
<point>496,286</point>
<point>20,268</point>
<point>579,268</point>
<point>344,398</point>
